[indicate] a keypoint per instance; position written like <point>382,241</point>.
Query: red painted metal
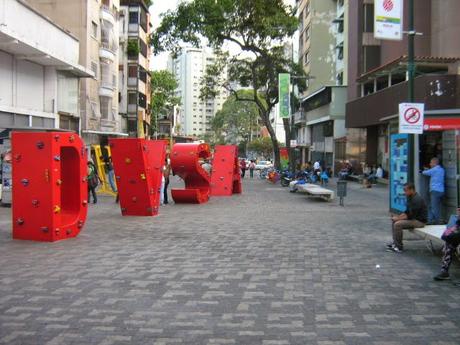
<point>185,162</point>
<point>225,178</point>
<point>441,123</point>
<point>138,165</point>
<point>49,185</point>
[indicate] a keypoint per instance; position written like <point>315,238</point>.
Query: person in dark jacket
<point>415,216</point>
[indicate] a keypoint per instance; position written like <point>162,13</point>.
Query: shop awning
<point>441,123</point>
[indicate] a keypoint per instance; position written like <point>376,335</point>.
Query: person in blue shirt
<point>437,189</point>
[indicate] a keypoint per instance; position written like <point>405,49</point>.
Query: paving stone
<point>267,267</point>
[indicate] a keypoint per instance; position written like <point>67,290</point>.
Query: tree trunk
<point>287,131</point>
<point>276,146</point>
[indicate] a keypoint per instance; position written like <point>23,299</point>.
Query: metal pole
<point>413,139</point>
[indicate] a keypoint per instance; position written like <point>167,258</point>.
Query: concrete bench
<point>316,191</point>
<point>356,178</point>
<point>432,234</point>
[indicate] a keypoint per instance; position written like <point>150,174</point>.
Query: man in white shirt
<point>316,166</point>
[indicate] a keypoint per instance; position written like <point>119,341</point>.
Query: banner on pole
<point>388,19</point>
<point>284,83</point>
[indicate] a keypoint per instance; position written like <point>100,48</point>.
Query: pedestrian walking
<point>415,216</point>
<point>437,175</point>
<point>451,237</point>
<point>243,167</point>
<point>252,167</point>
<point>93,180</point>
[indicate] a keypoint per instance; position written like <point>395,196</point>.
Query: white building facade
<point>39,71</point>
<point>195,115</point>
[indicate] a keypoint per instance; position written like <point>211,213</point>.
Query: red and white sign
<point>411,118</point>
<point>441,123</point>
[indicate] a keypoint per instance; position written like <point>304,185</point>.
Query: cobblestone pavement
<point>267,267</point>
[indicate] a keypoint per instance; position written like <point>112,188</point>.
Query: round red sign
<point>388,5</point>
<point>412,115</point>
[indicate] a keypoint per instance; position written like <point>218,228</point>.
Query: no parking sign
<point>411,118</point>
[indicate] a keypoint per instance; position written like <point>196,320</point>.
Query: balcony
<point>300,118</point>
<point>436,91</point>
<point>107,15</point>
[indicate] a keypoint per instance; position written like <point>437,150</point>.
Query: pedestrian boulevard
<point>266,267</point>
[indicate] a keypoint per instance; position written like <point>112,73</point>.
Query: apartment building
<point>378,83</point>
<point>195,115</point>
<point>39,71</point>
<point>134,76</point>
<point>95,24</point>
<point>323,45</point>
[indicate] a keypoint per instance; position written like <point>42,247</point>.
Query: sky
<point>159,62</point>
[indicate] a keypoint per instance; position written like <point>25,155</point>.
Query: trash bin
<point>341,190</point>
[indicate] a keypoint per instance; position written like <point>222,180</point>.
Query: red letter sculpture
<point>138,165</point>
<point>226,178</point>
<point>185,163</point>
<point>49,185</point>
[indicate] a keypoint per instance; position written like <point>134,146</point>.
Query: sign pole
<point>413,138</point>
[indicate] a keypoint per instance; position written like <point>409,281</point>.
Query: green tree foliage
<point>163,97</point>
<point>258,28</point>
<point>262,146</point>
<point>237,119</point>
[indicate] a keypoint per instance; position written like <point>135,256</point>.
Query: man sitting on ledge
<point>415,216</point>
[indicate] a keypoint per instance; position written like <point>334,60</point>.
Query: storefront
<point>440,139</point>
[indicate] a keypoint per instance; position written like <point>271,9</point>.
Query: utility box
<point>50,188</point>
<point>341,190</point>
<point>225,177</point>
<point>138,165</point>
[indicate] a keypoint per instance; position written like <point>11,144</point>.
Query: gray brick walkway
<point>267,267</point>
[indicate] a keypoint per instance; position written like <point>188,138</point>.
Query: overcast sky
<point>160,6</point>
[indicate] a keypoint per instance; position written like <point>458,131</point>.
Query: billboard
<point>388,19</point>
<point>284,83</point>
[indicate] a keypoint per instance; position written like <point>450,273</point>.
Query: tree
<point>164,85</point>
<point>262,146</point>
<point>258,28</point>
<point>237,119</point>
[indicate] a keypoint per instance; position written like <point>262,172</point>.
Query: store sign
<point>441,123</point>
<point>411,118</point>
<point>284,83</point>
<point>388,19</point>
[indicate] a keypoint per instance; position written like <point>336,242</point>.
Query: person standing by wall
<point>437,189</point>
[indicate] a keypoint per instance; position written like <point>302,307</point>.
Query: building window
<point>340,52</point>
<point>132,98</point>
<point>132,71</point>
<point>94,30</point>
<point>142,100</point>
<point>106,107</point>
<point>133,18</point>
<point>340,78</point>
<point>143,48</point>
<point>94,68</point>
<point>368,21</point>
<point>307,58</point>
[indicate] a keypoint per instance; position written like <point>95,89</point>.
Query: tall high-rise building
<point>134,76</point>
<point>195,114</point>
<point>95,24</point>
<point>323,43</point>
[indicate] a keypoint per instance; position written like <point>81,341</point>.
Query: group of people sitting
<point>370,172</point>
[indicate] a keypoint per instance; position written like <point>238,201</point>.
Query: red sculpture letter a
<point>185,162</point>
<point>49,185</point>
<point>226,178</point>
